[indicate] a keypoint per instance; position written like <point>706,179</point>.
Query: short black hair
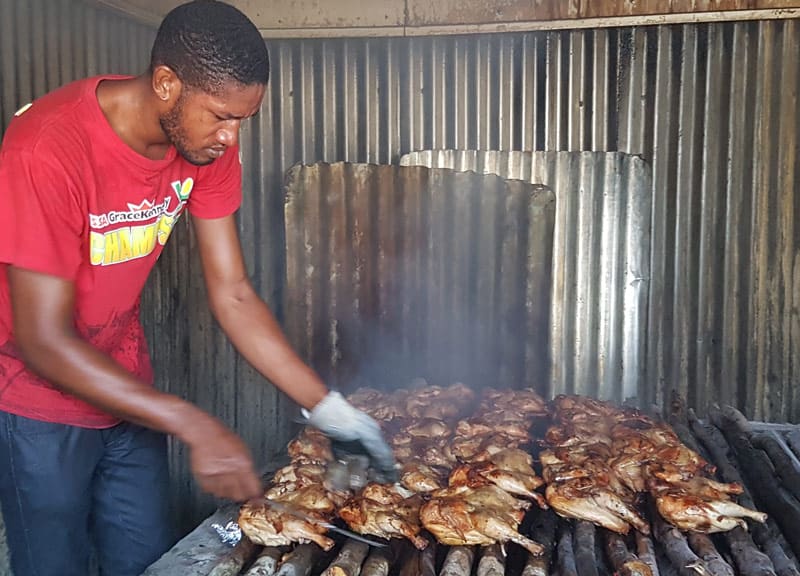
<point>208,44</point>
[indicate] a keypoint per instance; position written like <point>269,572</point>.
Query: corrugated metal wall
<point>47,43</point>
<point>712,108</point>
<point>601,263</point>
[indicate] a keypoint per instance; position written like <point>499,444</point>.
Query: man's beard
<point>172,127</point>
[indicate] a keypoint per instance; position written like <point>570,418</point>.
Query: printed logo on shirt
<point>131,242</point>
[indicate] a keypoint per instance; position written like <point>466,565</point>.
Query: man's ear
<point>166,84</point>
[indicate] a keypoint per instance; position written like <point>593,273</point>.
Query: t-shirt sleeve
<point>41,220</point>
<point>218,189</point>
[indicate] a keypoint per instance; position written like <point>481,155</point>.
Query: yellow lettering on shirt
<point>124,244</point>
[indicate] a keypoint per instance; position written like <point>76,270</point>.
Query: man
<point>93,177</point>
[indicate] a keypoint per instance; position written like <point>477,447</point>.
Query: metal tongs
<point>284,508</point>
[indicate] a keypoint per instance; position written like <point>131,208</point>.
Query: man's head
<point>209,67</point>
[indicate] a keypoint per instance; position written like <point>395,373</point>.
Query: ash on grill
<point>448,458</point>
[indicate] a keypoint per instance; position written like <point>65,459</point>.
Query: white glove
<point>341,421</point>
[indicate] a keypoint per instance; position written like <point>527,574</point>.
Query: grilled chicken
<point>688,512</point>
<point>385,512</point>
<point>418,477</point>
<point>586,500</point>
<point>461,515</point>
<point>268,527</point>
<point>601,457</point>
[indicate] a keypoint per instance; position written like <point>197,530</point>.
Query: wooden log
<point>767,536</point>
<point>266,563</point>
<point>583,544</point>
<point>565,557</point>
<point>757,469</point>
<point>623,561</point>
<point>378,563</point>
<point>240,555</point>
<point>300,561</point>
<point>458,561</point>
<point>785,463</point>
<point>543,531</point>
<point>349,559</point>
<point>427,561</point>
<point>750,561</point>
<point>646,551</point>
<point>793,440</point>
<point>492,561</point>
<point>676,548</point>
<point>703,546</point>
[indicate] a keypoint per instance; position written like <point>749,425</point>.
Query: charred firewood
<point>565,556</point>
<point>646,552</point>
<point>583,548</point>
<point>543,531</point>
<point>757,470</point>
<point>300,561</point>
<point>622,560</point>
<point>750,561</point>
<point>458,561</point>
<point>492,561</point>
<point>677,548</point>
<point>704,547</point>
<point>765,535</point>
<point>348,561</point>
<point>378,563</point>
<point>418,562</point>
<point>232,563</point>
<point>785,465</point>
<point>266,562</point>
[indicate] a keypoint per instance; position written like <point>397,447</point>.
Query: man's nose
<point>229,135</point>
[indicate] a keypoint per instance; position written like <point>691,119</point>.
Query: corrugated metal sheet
<point>712,108</point>
<point>47,43</point>
<point>396,273</point>
<point>601,262</point>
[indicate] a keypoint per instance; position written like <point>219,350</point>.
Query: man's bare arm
<point>246,319</point>
<point>43,308</point>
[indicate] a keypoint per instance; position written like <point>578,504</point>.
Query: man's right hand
<point>221,463</point>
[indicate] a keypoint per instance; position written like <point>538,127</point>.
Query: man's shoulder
<point>58,118</point>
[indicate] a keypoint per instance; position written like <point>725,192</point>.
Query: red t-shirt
<point>77,203</point>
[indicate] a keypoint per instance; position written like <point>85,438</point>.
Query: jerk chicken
<point>601,459</point>
<point>303,486</point>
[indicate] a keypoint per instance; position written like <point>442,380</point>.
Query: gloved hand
<point>342,422</point>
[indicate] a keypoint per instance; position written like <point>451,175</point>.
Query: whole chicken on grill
<point>269,527</point>
<point>460,515</point>
<point>509,469</point>
<point>418,477</point>
<point>385,512</point>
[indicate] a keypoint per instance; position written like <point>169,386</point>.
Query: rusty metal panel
<point>395,273</point>
<point>600,261</point>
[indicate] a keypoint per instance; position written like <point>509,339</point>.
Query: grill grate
<point>762,457</point>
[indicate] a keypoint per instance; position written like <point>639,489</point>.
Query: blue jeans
<point>64,489</point>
